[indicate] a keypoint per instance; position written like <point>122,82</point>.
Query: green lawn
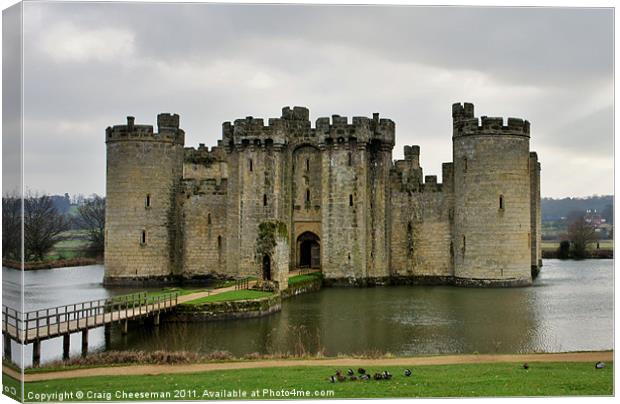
<point>303,278</point>
<point>472,380</point>
<point>243,294</point>
<point>181,291</point>
<point>555,244</point>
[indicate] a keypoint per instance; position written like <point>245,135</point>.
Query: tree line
<point>44,225</point>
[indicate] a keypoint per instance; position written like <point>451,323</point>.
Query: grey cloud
<point>213,63</point>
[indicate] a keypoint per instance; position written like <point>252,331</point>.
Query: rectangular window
<point>147,201</point>
<point>143,237</point>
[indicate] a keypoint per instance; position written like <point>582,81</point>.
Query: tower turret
<point>492,231</point>
<point>144,171</point>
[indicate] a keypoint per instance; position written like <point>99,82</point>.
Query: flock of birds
<point>386,375</point>
<point>363,375</point>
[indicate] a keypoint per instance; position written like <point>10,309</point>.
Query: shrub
<point>564,249</point>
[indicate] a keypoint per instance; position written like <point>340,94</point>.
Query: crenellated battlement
<point>203,155</point>
<point>465,123</point>
<point>294,123</point>
<point>361,129</point>
<point>167,126</point>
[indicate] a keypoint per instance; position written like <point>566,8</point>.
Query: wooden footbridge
<point>38,325</point>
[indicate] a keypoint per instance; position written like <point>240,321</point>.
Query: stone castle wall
<point>204,228</point>
<point>422,219</point>
<point>374,219</point>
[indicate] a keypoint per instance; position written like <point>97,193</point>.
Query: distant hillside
<point>555,209</point>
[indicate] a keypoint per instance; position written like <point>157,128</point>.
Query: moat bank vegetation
<point>580,241</point>
<point>56,234</point>
<point>577,228</point>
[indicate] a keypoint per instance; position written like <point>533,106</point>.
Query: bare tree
<point>581,233</point>
<point>43,225</point>
<point>91,217</point>
<point>11,227</point>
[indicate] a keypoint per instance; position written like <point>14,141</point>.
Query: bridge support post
<point>36,354</point>
<point>124,325</point>
<point>156,319</point>
<point>7,346</point>
<point>107,335</point>
<point>84,342</point>
<point>66,341</point>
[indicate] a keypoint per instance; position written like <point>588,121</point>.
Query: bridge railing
<point>242,283</point>
<point>43,323</point>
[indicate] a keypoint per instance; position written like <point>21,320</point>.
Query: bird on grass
<point>365,377</point>
<point>332,379</point>
<point>353,378</point>
<point>377,376</point>
<point>407,372</point>
<point>361,371</point>
<point>526,366</point>
<point>339,376</point>
<point>350,372</point>
<point>386,375</point>
<point>599,365</point>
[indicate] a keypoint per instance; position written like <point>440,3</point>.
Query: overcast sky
<point>88,66</point>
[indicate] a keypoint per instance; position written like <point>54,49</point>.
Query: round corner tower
<point>491,234</point>
<point>144,171</point>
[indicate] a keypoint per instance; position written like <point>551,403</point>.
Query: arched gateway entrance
<point>308,250</point>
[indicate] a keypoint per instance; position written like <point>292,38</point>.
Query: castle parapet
<point>203,155</point>
<point>361,129</point>
<point>294,125</point>
<point>465,123</point>
<point>168,131</point>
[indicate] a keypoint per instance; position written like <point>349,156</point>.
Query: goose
<point>350,372</point>
<point>361,371</point>
<point>526,366</point>
<point>407,372</point>
<point>341,378</point>
<point>599,365</point>
<point>387,375</point>
<point>353,378</point>
<point>365,377</point>
<point>377,376</point>
<point>332,379</point>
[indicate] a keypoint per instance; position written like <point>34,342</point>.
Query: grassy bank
<point>303,278</point>
<point>471,380</point>
<point>605,249</point>
<point>555,244</point>
<point>52,263</point>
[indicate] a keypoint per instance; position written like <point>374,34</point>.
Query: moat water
<point>569,308</point>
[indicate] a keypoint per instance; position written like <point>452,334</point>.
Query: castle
<point>269,199</point>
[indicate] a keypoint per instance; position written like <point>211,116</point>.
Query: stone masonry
<point>341,203</point>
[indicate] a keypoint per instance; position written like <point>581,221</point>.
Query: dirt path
<point>606,356</point>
